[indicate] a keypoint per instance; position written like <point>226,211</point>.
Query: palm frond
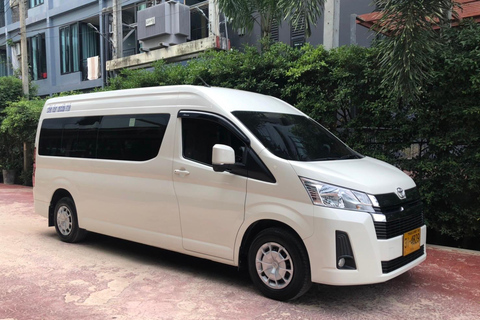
<point>412,39</point>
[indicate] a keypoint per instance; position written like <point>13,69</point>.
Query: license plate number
<point>411,241</point>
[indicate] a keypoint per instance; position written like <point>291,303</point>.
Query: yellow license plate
<point>411,241</point>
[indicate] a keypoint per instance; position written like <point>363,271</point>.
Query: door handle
<point>182,172</point>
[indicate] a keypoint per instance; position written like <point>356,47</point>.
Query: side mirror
<point>222,157</point>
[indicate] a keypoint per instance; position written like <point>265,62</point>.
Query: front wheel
<point>66,221</point>
<point>278,264</point>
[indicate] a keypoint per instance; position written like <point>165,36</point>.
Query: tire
<point>66,221</point>
<point>278,264</point>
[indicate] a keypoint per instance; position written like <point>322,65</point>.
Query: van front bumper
<point>376,260</point>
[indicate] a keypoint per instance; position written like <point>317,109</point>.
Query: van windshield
<point>295,137</point>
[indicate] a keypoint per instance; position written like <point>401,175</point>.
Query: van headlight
<point>327,195</point>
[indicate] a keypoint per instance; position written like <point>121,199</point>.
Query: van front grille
<point>412,219</point>
<point>401,215</point>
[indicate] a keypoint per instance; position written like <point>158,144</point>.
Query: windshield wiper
<point>345,157</point>
<point>349,156</point>
<point>326,159</point>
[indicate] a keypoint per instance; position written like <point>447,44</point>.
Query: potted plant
<point>10,158</point>
<point>8,176</point>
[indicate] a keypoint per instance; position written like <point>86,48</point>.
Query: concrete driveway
<point>107,278</point>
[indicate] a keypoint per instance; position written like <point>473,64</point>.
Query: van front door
<point>212,204</point>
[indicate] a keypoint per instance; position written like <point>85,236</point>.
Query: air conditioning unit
<point>163,25</point>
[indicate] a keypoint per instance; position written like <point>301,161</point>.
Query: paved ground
<point>107,278</point>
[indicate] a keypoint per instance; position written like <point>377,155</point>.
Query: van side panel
<point>133,200</point>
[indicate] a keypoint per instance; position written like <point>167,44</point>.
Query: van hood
<point>368,175</point>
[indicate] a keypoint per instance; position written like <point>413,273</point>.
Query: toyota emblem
<point>401,193</point>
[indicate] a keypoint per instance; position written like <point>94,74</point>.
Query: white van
<point>231,176</point>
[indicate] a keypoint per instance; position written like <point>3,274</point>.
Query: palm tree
<point>247,13</point>
<point>412,38</point>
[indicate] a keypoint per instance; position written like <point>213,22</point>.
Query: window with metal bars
<point>297,33</point>
<point>274,31</point>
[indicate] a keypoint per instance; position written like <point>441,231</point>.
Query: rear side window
<point>136,138</point>
<point>122,137</point>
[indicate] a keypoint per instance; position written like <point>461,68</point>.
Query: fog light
<point>345,259</point>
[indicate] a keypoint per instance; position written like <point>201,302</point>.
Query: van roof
<point>183,95</point>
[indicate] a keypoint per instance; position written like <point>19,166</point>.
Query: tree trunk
<point>27,163</point>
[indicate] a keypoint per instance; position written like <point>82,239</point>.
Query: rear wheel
<point>278,264</point>
<point>66,221</point>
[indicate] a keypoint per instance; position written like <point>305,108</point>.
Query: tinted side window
<point>51,138</point>
<point>69,137</point>
<point>131,137</point>
<point>125,137</point>
<point>79,137</point>
<point>199,136</point>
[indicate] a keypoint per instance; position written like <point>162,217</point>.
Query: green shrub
<point>10,90</point>
<point>447,123</point>
<point>20,120</point>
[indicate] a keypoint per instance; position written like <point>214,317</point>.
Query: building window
<point>37,57</point>
<point>2,13</point>
<point>69,49</point>
<point>198,22</point>
<point>3,63</point>
<point>141,6</point>
<point>78,42</point>
<point>34,3</point>
<point>89,46</point>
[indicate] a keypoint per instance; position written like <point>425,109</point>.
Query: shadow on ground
<point>324,295</point>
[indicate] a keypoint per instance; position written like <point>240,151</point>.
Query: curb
<point>454,250</point>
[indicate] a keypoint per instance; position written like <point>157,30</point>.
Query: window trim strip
<point>217,119</point>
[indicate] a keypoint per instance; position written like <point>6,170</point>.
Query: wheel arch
<point>254,229</point>
<point>57,195</point>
